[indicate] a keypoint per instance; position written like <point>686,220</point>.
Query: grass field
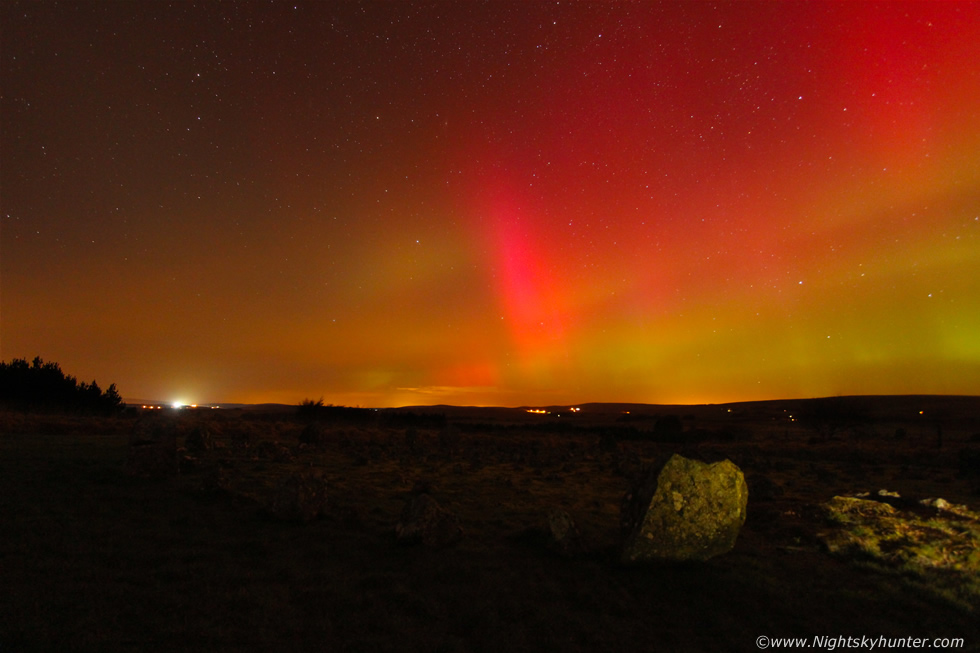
<point>92,559</point>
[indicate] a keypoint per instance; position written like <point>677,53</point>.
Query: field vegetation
<point>97,559</point>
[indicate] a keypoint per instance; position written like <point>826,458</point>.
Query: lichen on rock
<point>688,510</point>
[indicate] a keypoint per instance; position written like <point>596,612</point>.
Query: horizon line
<point>218,404</point>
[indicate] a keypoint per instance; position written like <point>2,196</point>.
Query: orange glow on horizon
<point>517,204</point>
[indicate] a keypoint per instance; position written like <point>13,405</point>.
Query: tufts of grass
<point>95,560</point>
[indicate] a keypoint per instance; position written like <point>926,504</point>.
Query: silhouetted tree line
<point>317,411</point>
<point>40,386</point>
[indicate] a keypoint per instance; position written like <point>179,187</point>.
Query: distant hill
<point>943,407</point>
<point>858,406</point>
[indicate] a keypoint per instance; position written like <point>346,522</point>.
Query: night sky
<point>493,203</point>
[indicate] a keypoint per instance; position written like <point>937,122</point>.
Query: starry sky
<point>493,203</point>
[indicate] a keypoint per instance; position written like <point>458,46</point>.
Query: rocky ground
<point>267,533</point>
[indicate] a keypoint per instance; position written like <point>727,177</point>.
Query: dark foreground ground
<point>92,559</point>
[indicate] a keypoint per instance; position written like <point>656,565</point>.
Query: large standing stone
<point>425,521</point>
<point>690,510</point>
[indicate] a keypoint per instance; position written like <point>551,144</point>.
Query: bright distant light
<point>177,404</point>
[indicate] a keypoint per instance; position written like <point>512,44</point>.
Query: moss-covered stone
<point>694,511</point>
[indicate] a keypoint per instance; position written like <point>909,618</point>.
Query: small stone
<point>853,506</point>
<point>565,536</point>
<point>425,521</point>
<point>938,504</point>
